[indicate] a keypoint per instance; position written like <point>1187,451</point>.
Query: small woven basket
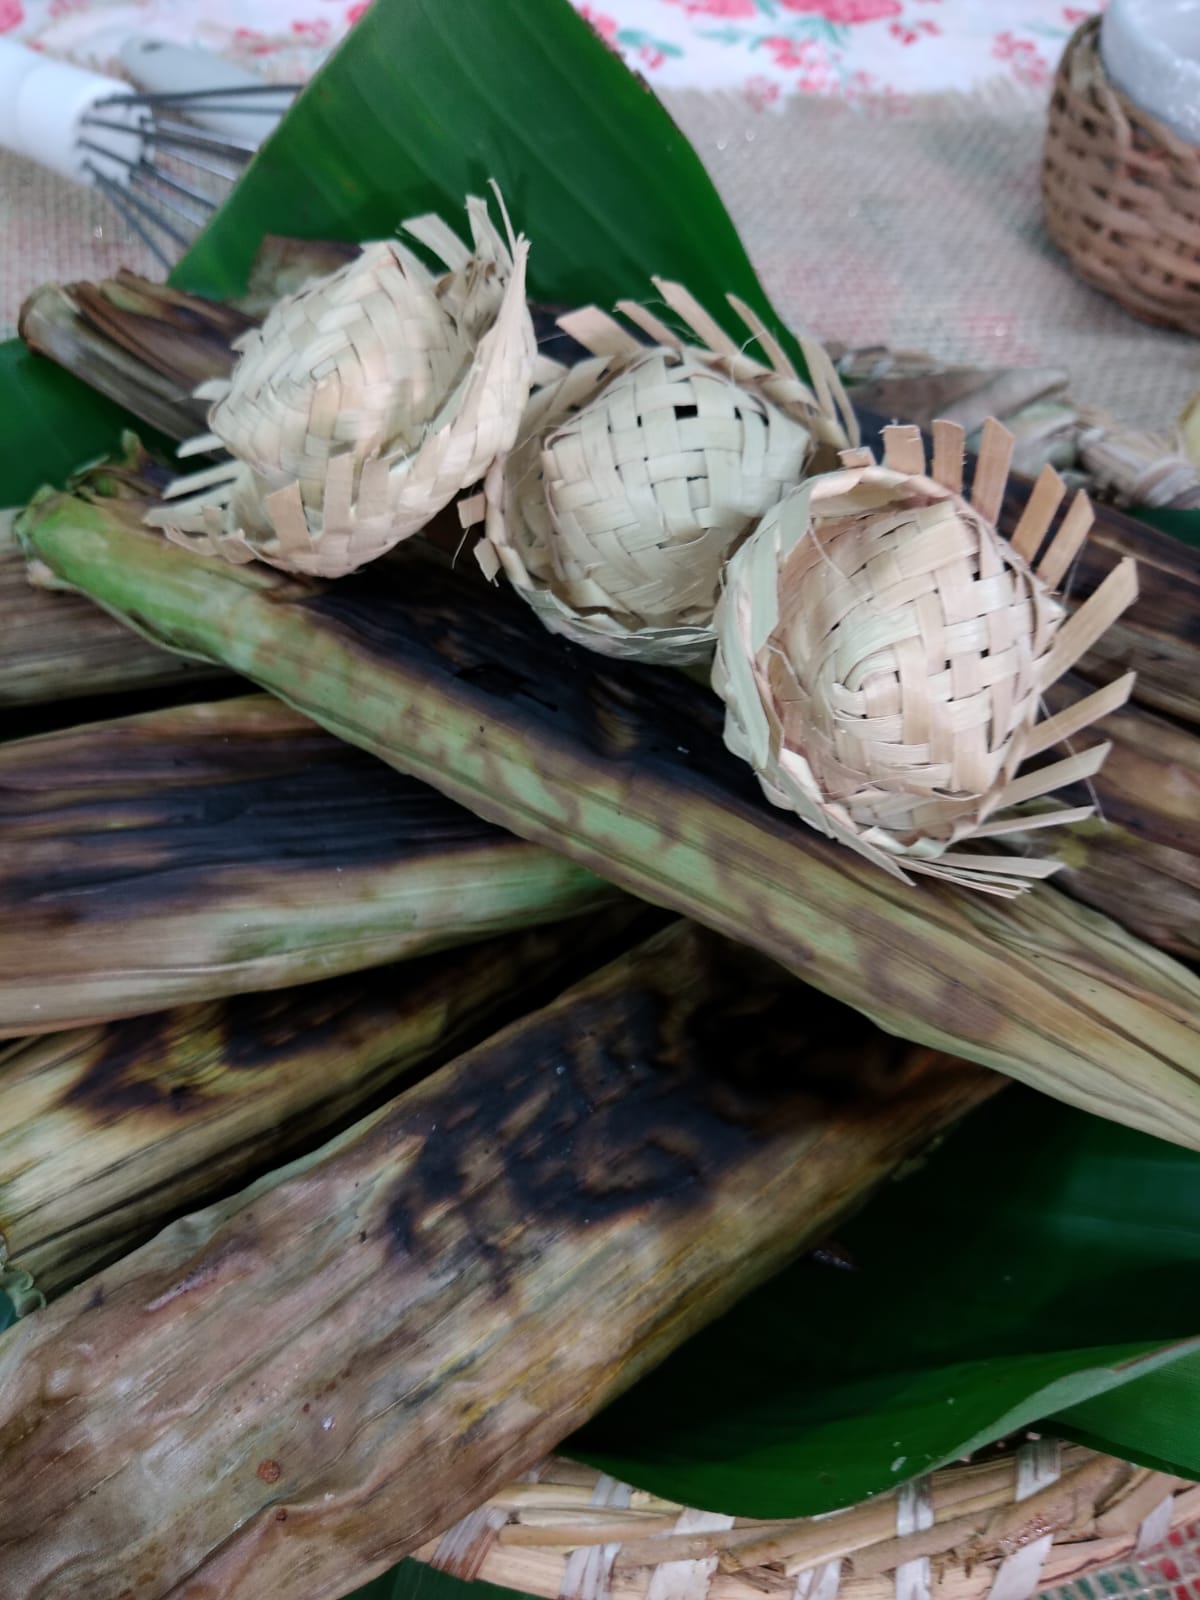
<point>998,1529</point>
<point>640,469</point>
<point>883,654</point>
<point>1122,192</point>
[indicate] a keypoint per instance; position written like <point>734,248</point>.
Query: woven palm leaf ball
<point>638,473</point>
<point>364,404</point>
<point>883,653</point>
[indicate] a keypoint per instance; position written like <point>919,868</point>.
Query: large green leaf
<point>1041,1258</point>
<point>1151,1420</point>
<point>50,423</point>
<point>413,1581</point>
<point>1182,525</point>
<point>426,101</point>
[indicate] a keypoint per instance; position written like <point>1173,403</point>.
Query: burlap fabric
<point>915,228</point>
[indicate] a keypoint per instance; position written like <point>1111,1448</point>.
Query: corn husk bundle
<point>1138,857</point>
<point>884,652</point>
<point>363,405</point>
<point>640,470</point>
<point>58,647</point>
<point>221,848</point>
<point>108,1133</point>
<point>622,770</point>
<point>290,1390</point>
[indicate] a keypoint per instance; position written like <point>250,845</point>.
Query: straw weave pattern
<point>651,485</point>
<point>905,668</point>
<point>641,470</point>
<point>1122,192</point>
<point>996,1529</point>
<point>883,653</point>
<point>363,405</point>
<point>360,363</point>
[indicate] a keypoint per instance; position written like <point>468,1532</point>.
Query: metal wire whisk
<point>164,157</point>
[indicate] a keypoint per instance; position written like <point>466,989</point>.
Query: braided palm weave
<point>883,653</point>
<point>363,405</point>
<point>1000,1528</point>
<point>640,471</point>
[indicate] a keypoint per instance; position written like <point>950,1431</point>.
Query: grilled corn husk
<point>58,647</point>
<point>292,1389</point>
<point>220,848</point>
<point>622,768</point>
<point>109,1133</point>
<point>1138,857</point>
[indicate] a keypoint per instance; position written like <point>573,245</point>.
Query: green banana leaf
<point>1152,1420</point>
<point>1184,525</point>
<point>426,101</point>
<point>411,1580</point>
<point>8,1312</point>
<point>1041,1259</point>
<point>51,424</point>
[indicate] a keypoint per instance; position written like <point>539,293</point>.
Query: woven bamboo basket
<point>1122,192</point>
<point>883,651</point>
<point>996,1529</point>
<point>640,469</point>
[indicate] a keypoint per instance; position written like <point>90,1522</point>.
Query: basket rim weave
<point>748,617</point>
<point>1121,191</point>
<point>819,406</point>
<point>993,1529</point>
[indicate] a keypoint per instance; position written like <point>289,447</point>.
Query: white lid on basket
<point>1151,51</point>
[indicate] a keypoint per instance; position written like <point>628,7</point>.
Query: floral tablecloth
<point>764,49</point>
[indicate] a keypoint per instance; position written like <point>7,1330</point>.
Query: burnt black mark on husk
<point>191,815</point>
<point>125,1074</point>
<point>140,1064</point>
<point>490,649</point>
<point>642,1090</point>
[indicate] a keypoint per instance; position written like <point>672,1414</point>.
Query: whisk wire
<point>176,136</point>
<point>132,210</point>
<point>182,97</point>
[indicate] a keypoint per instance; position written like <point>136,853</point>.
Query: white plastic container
<point>1151,52</point>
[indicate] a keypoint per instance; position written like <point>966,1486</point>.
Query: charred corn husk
<point>622,768</point>
<point>214,849</point>
<point>883,654</point>
<point>347,1357</point>
<point>363,405</point>
<point>143,344</point>
<point>109,1133</point>
<point>58,647</point>
<point>639,471</point>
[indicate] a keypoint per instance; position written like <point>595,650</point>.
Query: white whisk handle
<point>42,105</point>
